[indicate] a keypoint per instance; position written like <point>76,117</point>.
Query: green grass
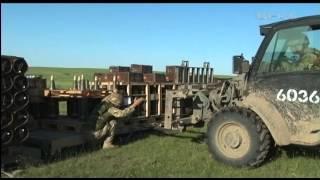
<point>156,155</point>
<point>177,155</point>
<point>63,76</point>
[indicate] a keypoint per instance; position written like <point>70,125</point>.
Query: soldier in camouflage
<point>308,58</point>
<point>104,117</point>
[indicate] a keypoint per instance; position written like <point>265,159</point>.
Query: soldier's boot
<point>102,132</point>
<point>107,144</point>
<point>96,134</point>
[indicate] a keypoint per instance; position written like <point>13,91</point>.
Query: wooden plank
<point>129,89</point>
<point>174,87</point>
<point>168,110</point>
<point>188,75</point>
<point>211,75</point>
<point>148,104</point>
<point>64,95</point>
<point>178,108</point>
<point>198,75</point>
<point>73,92</point>
<point>183,78</point>
<point>207,76</point>
<point>202,75</point>
<point>193,75</point>
<point>46,92</point>
<point>141,83</point>
<point>179,75</point>
<point>114,83</point>
<point>159,100</point>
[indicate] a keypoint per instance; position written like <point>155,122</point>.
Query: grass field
<point>63,76</point>
<point>153,154</point>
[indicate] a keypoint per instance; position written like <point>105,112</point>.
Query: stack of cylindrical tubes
<point>14,101</point>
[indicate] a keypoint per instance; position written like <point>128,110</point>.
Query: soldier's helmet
<point>298,39</point>
<point>114,98</point>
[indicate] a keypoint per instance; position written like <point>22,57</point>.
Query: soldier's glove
<point>104,99</point>
<point>138,101</point>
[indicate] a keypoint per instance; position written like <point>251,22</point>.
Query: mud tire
<point>258,146</point>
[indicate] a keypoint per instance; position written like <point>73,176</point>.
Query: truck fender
<point>270,116</point>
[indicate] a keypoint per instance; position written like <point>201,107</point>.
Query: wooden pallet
<point>74,93</point>
<point>62,124</point>
<point>124,126</point>
<point>52,142</point>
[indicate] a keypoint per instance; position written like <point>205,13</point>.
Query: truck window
<point>292,49</point>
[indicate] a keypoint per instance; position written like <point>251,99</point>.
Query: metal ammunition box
<point>107,77</point>
<point>123,77</point>
<point>129,77</point>
<point>174,73</point>
<point>154,77</point>
<point>114,69</point>
<point>138,68</point>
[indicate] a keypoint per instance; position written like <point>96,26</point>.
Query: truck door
<point>289,74</point>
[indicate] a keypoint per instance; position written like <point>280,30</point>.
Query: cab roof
<point>265,29</point>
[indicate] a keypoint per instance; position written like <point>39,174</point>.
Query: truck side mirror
<point>245,66</point>
<point>237,63</point>
<point>240,65</point>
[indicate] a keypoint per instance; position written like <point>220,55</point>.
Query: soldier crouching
<point>103,118</point>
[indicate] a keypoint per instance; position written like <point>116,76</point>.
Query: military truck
<point>274,101</point>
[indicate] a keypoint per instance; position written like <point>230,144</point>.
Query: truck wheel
<point>237,136</point>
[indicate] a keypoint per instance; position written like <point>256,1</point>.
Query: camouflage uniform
<point>104,116</point>
<point>310,60</point>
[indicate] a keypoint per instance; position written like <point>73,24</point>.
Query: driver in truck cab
<point>307,58</point>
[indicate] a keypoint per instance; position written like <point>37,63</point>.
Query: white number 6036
<point>302,96</point>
